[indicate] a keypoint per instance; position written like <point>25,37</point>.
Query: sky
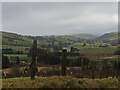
<point>59,18</point>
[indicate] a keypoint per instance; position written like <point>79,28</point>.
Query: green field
<point>15,55</point>
<point>59,82</point>
<point>15,48</point>
<point>97,51</point>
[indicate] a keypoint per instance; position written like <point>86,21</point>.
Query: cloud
<point>48,18</point>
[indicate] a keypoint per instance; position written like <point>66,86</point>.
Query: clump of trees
<point>5,62</point>
<point>53,58</point>
<point>11,51</point>
<point>46,57</point>
<point>80,61</point>
<point>7,51</point>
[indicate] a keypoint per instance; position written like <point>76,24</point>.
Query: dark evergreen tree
<point>5,62</point>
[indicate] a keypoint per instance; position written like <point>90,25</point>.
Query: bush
<point>5,62</point>
<point>117,52</point>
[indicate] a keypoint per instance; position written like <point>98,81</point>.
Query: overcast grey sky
<point>50,18</point>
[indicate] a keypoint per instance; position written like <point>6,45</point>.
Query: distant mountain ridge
<point>14,39</point>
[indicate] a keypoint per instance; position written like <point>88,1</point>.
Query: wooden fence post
<point>100,69</point>
<point>64,61</point>
<point>93,67</point>
<point>33,63</point>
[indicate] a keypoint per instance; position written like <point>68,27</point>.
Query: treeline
<point>47,57</point>
<point>11,51</point>
<point>53,58</point>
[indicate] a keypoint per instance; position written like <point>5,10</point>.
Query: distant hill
<point>109,38</point>
<point>13,39</point>
<point>85,36</point>
<point>23,40</point>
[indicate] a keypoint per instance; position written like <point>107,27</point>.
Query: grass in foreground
<point>59,82</point>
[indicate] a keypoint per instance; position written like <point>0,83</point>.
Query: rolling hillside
<point>17,40</point>
<point>85,36</point>
<point>111,38</point>
<point>13,39</point>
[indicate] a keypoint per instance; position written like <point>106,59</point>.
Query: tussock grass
<point>59,82</point>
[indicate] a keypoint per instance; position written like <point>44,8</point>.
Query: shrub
<point>117,52</point>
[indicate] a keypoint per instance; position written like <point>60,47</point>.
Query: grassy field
<point>59,82</point>
<point>15,55</point>
<point>15,48</point>
<point>97,51</point>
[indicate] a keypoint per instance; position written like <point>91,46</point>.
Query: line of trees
<point>11,51</point>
